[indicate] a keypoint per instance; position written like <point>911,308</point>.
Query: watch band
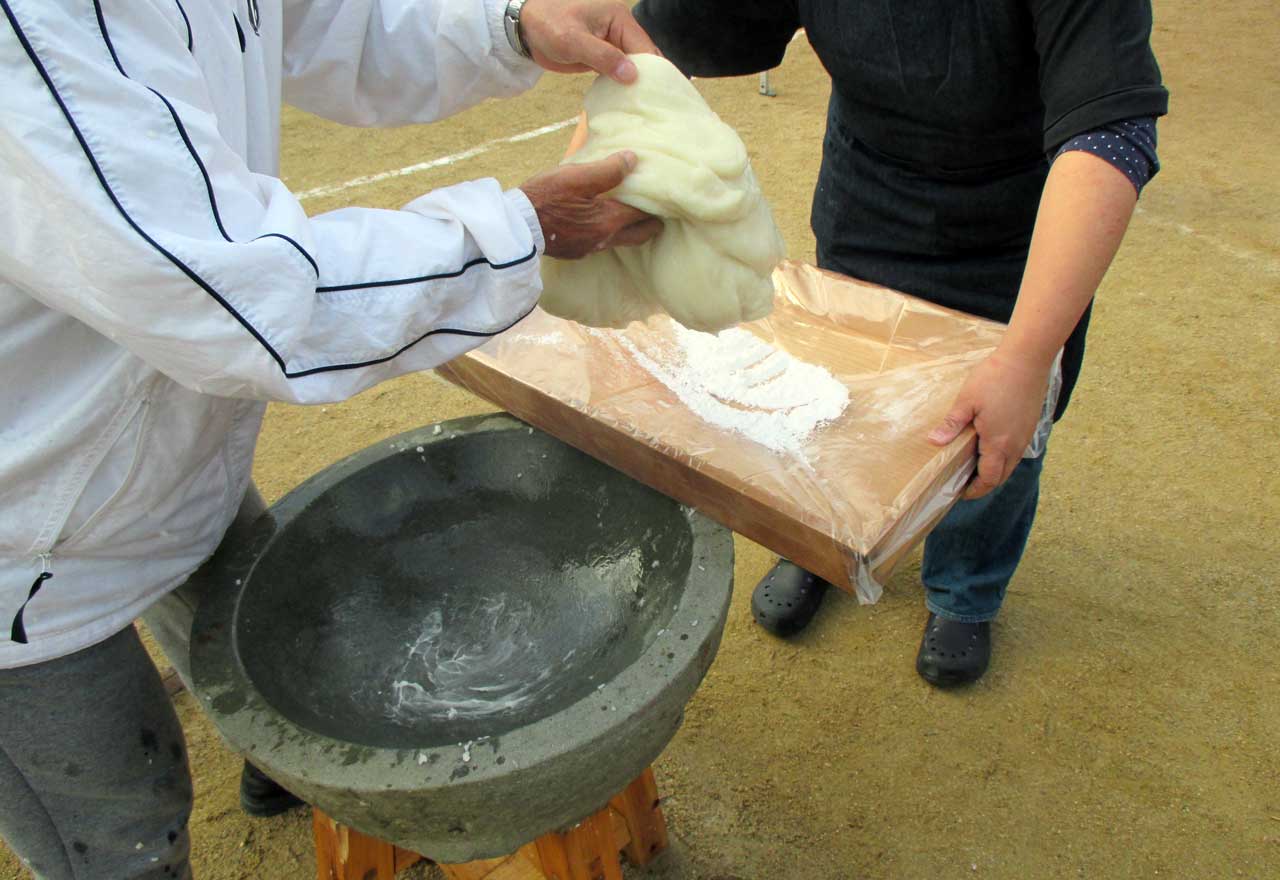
<point>515,34</point>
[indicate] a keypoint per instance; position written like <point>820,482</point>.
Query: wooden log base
<point>632,824</point>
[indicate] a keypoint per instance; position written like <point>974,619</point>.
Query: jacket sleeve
<point>718,37</point>
<point>391,62</point>
<point>125,209</point>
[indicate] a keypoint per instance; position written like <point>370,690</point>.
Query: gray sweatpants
<point>94,782</point>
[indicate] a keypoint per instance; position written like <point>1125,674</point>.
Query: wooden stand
<point>632,823</point>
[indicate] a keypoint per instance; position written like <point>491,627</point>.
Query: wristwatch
<point>511,22</point>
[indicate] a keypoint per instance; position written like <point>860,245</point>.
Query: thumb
<point>956,420</point>
<point>601,176</point>
<point>606,59</point>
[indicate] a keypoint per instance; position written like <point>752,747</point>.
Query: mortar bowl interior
<point>458,590</point>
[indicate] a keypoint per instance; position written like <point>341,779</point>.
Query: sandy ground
<point>1128,727</point>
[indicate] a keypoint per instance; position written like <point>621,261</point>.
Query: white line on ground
<point>1265,262</point>
<point>441,162</point>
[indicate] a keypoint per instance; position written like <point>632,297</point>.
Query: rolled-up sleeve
<point>1096,65</point>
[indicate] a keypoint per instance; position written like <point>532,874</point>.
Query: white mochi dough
<point>710,267</point>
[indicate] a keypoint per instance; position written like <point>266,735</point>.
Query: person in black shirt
<point>985,155</point>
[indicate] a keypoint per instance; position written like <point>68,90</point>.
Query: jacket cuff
<point>520,202</point>
<point>507,56</point>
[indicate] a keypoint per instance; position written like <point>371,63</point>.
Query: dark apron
<point>958,238</point>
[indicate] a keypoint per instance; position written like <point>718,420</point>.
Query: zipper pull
<point>18,632</point>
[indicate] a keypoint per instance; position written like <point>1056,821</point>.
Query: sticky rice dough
<point>710,266</point>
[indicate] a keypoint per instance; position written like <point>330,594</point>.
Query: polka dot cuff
<point>1129,145</point>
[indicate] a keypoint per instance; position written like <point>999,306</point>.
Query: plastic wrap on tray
<point>848,499</point>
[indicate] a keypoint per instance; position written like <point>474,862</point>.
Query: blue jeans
<point>972,554</point>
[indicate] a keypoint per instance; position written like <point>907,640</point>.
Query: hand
<point>578,217</point>
<point>574,36</point>
<point>1003,399</point>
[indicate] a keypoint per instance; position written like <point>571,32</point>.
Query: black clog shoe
<point>261,796</point>
<point>786,598</point>
<point>953,653</point>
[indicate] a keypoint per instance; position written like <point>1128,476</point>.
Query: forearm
<point>392,62</point>
<point>1083,214</point>
<point>214,275</point>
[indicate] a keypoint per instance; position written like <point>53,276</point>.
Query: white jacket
<point>158,282</point>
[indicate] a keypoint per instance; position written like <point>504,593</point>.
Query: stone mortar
<point>376,589</point>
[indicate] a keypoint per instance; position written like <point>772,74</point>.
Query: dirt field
<point>1128,727</point>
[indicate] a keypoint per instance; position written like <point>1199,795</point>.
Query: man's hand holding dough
<point>572,203</point>
<point>574,36</point>
<point>576,215</point>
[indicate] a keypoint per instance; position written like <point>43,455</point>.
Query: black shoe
<point>787,598</point>
<point>261,796</point>
<point>953,653</point>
